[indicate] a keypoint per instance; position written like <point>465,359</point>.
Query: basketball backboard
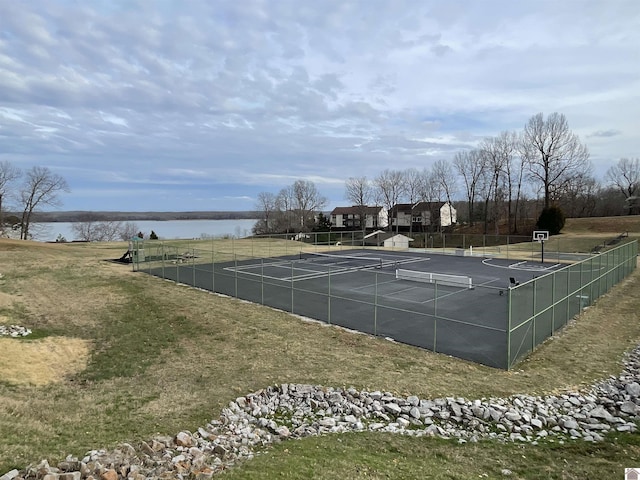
<point>540,235</point>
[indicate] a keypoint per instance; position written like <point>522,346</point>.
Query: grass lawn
<point>118,356</point>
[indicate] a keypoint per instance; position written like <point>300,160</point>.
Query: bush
<point>551,219</point>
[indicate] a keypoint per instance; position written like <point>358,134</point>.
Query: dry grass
<point>160,357</point>
<point>604,225</point>
<point>42,361</point>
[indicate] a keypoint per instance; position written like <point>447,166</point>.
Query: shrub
<point>551,219</point>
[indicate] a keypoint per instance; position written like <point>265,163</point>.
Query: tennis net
<point>437,278</point>
<point>342,261</point>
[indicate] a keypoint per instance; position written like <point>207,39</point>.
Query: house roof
<point>417,207</point>
<point>356,210</point>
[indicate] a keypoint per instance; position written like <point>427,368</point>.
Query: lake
<point>169,229</point>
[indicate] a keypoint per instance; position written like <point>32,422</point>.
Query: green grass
<point>387,456</point>
<point>166,358</point>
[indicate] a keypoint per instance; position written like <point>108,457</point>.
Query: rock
<point>601,412</point>
<point>633,389</point>
<point>70,476</point>
<point>393,408</point>
<point>109,474</point>
<point>403,422</point>
<point>327,422</point>
<point>10,475</point>
<point>183,439</point>
<point>629,408</point>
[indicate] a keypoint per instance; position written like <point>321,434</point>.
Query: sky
<point>201,105</point>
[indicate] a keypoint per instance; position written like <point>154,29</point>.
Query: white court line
<point>515,266</point>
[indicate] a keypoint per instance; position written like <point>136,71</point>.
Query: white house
<point>380,238</point>
<point>423,215</point>
<point>349,217</point>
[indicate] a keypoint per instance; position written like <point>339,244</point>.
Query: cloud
<point>605,133</point>
<point>252,94</point>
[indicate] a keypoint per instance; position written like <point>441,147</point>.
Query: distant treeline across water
<point>84,216</point>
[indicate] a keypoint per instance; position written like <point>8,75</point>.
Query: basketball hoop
<point>541,236</point>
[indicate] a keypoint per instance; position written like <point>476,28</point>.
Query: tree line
<point>295,208</point>
<point>511,178</point>
<point>25,192</point>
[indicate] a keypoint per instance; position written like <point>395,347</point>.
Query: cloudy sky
<point>200,105</point>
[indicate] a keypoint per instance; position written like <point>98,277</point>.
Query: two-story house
<point>349,218</point>
<point>422,216</point>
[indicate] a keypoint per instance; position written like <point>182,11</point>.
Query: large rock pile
<point>294,411</point>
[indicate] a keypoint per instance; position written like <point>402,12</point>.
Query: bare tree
<point>359,192</point>
<point>497,159</point>
<point>579,195</point>
<point>284,205</point>
<point>41,187</point>
<point>8,174</point>
<point>554,152</point>
<point>128,231</point>
<point>307,202</point>
<point>267,204</point>
<point>444,176</point>
<point>89,229</point>
<point>413,182</point>
<point>625,176</point>
<point>470,165</point>
<point>388,190</point>
<point>85,229</point>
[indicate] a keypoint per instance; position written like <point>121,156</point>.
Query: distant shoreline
<point>84,216</point>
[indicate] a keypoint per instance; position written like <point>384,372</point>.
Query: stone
<point>183,439</point>
<point>393,408</point>
<point>403,422</point>
<point>633,389</point>
<point>109,474</point>
<point>70,476</point>
<point>629,408</point>
<point>601,412</point>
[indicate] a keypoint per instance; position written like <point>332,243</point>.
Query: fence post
<point>329,298</point>
<point>553,303</point>
<point>375,308</point>
<point>193,265</point>
<point>213,266</point>
<point>533,318</point>
<point>509,309</point>
<point>162,253</point>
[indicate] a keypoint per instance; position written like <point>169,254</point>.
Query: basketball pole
<point>542,251</point>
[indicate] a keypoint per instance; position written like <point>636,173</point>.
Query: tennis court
<point>448,304</point>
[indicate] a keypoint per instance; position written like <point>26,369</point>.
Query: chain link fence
<point>499,334</point>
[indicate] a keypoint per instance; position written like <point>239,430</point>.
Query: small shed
<point>380,238</point>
